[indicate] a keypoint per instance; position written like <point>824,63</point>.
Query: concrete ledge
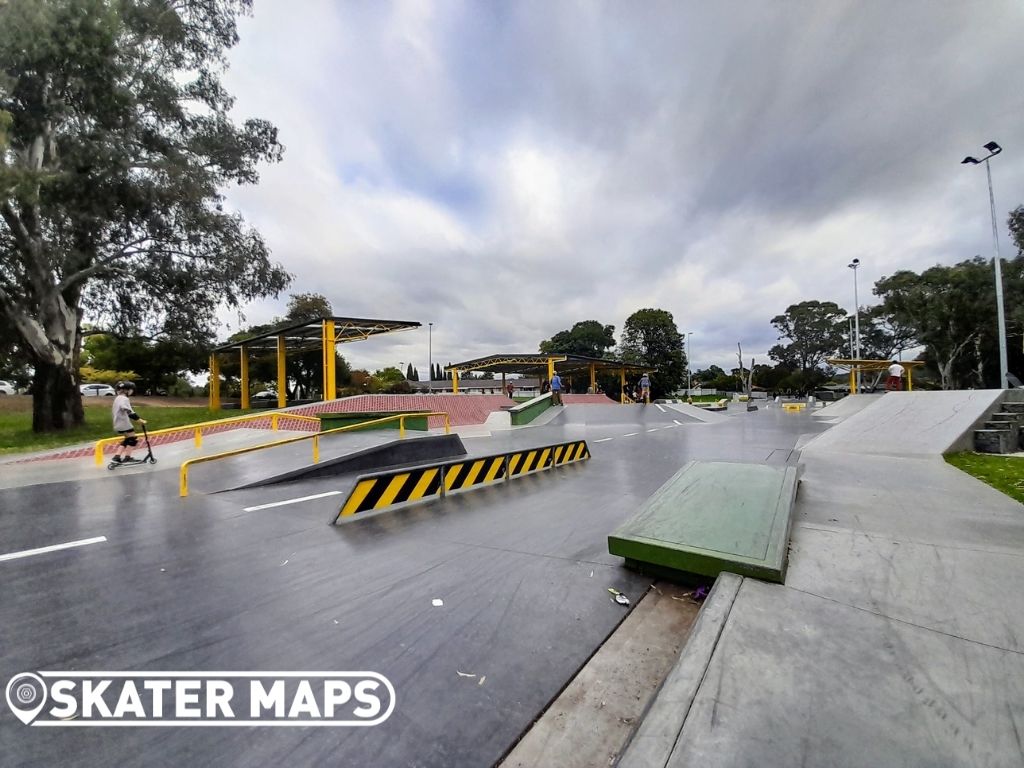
<point>526,412</point>
<point>711,517</point>
<point>652,743</point>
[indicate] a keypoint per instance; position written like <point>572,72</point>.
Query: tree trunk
<point>56,401</point>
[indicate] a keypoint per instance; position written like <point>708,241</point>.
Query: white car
<point>265,395</point>
<point>7,388</point>
<point>97,390</point>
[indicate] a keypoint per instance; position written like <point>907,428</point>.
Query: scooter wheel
<point>111,465</point>
<point>152,461</point>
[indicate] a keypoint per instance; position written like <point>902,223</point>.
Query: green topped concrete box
<point>711,517</point>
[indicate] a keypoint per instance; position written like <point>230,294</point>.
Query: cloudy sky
<point>505,169</point>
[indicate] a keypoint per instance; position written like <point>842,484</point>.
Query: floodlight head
<point>971,160</point>
<point>994,148</point>
<point>854,264</point>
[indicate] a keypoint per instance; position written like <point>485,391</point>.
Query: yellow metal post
<point>455,381</point>
<point>910,378</point>
<point>593,378</point>
<point>330,359</point>
<point>243,352</point>
<point>551,369</point>
<point>214,383</point>
<point>282,380</point>
<point>853,380</point>
<point>622,386</point>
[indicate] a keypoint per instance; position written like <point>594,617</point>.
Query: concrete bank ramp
<point>845,408</point>
<point>911,424</point>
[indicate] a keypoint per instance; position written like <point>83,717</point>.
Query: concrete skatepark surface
<point>893,641</point>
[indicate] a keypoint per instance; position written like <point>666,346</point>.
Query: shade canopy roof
<point>529,363</point>
<point>308,334</point>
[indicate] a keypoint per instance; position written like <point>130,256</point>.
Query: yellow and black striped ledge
<point>386,489</point>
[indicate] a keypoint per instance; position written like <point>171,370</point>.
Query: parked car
<point>7,388</point>
<point>265,395</point>
<point>97,390</point>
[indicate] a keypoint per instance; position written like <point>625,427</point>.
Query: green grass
<point>16,435</point>
<point>706,398</point>
<point>1004,473</point>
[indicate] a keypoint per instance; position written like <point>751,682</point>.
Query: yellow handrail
<point>198,427</point>
<point>315,437</point>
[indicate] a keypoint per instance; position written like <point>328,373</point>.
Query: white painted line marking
<point>654,430</point>
<point>659,408</point>
<point>54,548</point>
<point>604,439</point>
<point>291,501</point>
<point>631,434</point>
<point>678,423</point>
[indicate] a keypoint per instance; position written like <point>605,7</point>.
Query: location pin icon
<point>26,695</point>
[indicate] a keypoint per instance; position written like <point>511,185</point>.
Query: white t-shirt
<point>896,370</point>
<point>120,409</point>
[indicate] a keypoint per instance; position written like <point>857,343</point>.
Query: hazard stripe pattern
<point>382,491</point>
<point>397,487</point>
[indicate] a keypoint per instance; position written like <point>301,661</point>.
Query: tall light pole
<point>856,316</point>
<point>430,356</point>
<point>689,367</point>
<point>993,150</point>
<point>849,321</point>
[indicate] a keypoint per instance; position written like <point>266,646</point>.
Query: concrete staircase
<point>1002,430</point>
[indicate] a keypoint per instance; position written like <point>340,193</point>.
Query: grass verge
<point>16,435</point>
<point>1004,473</point>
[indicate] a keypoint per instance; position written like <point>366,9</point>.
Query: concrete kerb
<point>652,744</point>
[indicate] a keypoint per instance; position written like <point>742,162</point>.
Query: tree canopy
<point>650,337</point>
<point>815,330</point>
<point>115,147</point>
<point>587,337</point>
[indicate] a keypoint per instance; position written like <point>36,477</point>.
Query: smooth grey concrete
<point>911,424</point>
<point>898,636</point>
<point>213,582</point>
<point>595,715</point>
<point>658,733</point>
<point>844,408</point>
<point>798,679</point>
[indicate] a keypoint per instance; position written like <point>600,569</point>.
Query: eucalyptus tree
<point>116,146</point>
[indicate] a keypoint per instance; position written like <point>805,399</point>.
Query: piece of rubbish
<point>437,602</point>
<point>700,592</point>
<point>335,621</point>
<point>482,678</point>
<point>620,598</point>
<point>463,674</point>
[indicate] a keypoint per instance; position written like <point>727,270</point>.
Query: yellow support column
<point>551,369</point>
<point>593,378</point>
<point>853,381</point>
<point>282,378</point>
<point>455,381</point>
<point>214,383</point>
<point>622,386</point>
<point>331,358</point>
<point>332,363</point>
<point>910,378</point>
<point>244,357</point>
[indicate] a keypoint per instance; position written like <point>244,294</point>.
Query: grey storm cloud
<point>505,170</point>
